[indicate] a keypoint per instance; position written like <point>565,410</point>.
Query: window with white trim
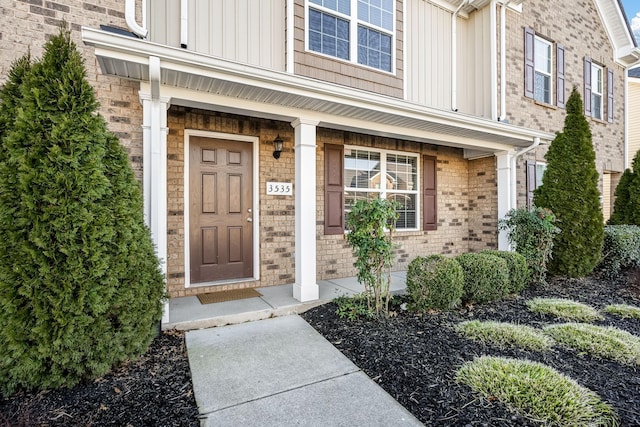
<point>596,91</point>
<point>370,174</point>
<point>543,59</point>
<point>359,31</point>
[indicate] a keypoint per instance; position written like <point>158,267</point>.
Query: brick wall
<point>576,25</point>
<point>26,25</point>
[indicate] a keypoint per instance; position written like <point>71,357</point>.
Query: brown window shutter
<point>333,189</point>
<point>529,62</point>
<point>587,86</point>
<point>429,200</point>
<point>531,182</point>
<point>560,88</point>
<point>610,96</point>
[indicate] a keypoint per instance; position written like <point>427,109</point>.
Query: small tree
<point>531,232</point>
<point>80,285</point>
<point>370,226</point>
<point>10,97</point>
<point>626,208</point>
<point>570,190</point>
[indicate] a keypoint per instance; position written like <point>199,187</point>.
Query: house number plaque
<point>279,188</point>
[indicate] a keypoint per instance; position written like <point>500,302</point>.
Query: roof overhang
<point>615,22</point>
<point>193,79</point>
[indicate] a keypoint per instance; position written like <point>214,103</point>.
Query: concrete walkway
<point>268,367</point>
<point>281,372</point>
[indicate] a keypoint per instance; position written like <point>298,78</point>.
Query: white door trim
<point>255,208</point>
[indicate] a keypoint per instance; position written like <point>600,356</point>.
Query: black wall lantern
<point>277,147</point>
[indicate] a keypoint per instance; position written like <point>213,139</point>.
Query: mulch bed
<point>414,358</point>
<point>154,390</point>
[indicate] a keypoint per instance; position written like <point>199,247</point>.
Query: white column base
<point>310,292</point>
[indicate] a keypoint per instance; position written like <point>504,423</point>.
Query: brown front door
<point>220,209</point>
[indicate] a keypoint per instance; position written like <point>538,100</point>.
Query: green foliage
<point>518,271</point>
<point>564,309</point>
<point>621,249</point>
<point>80,286</point>
<point>626,208</point>
<point>599,341</point>
<point>531,232</point>
<point>10,97</point>
<point>623,310</point>
<point>353,307</point>
<point>434,282</point>
<point>570,190</point>
<point>506,335</point>
<point>370,226</point>
<point>486,277</point>
<point>537,391</point>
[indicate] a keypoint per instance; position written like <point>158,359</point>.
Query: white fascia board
<point>126,48</point>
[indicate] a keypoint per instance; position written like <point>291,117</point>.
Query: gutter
<point>130,17</point>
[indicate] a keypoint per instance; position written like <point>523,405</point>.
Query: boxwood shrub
<point>518,271</point>
<point>486,277</point>
<point>434,282</point>
<point>621,249</point>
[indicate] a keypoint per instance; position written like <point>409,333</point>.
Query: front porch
<point>188,313</point>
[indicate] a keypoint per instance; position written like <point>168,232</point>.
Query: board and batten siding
<point>428,54</point>
<point>246,31</point>
<point>474,63</point>
<point>634,119</point>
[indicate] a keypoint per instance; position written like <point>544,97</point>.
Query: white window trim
<point>383,169</point>
<point>544,72</point>
<point>539,179</point>
<point>353,34</point>
<point>594,86</point>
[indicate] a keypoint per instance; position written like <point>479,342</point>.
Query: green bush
<point>626,208</point>
<point>434,282</point>
<point>621,249</point>
<point>80,285</point>
<point>352,307</point>
<point>531,233</point>
<point>570,190</point>
<point>518,271</point>
<point>486,277</point>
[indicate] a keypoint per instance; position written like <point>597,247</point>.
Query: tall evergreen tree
<point>10,96</point>
<point>570,190</point>
<point>80,285</point>
<point>626,208</point>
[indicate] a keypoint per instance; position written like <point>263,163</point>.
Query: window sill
<point>600,121</point>
<point>544,104</point>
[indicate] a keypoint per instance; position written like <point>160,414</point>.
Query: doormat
<point>212,297</point>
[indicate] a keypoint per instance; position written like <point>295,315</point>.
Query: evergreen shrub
<point>518,271</point>
<point>621,249</point>
<point>434,282</point>
<point>570,190</point>
<point>486,277</point>
<point>626,208</point>
<point>81,289</point>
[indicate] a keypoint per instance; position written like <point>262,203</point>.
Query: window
<point>353,30</point>
<point>594,90</point>
<point>539,72</point>
<point>535,171</point>
<point>372,174</point>
<point>542,83</point>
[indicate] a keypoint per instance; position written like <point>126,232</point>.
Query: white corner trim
<point>255,141</point>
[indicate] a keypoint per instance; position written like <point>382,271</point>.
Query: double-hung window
<point>596,91</point>
<point>370,174</point>
<point>542,84</point>
<point>359,31</point>
<point>596,88</point>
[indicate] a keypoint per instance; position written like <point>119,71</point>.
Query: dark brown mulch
<point>154,390</point>
<point>414,358</point>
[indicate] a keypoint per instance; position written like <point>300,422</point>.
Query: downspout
<point>493,58</point>
<point>184,29</point>
<point>454,56</point>
<point>626,120</point>
<point>503,61</point>
<point>130,17</point>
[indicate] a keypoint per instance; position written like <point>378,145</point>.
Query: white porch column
<point>154,137</point>
<point>505,187</point>
<point>305,288</point>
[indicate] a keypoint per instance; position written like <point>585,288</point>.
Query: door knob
<point>249,219</point>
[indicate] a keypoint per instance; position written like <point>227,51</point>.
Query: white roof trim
<point>129,58</point>
<point>625,51</point>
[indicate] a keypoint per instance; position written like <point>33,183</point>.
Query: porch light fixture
<point>277,147</point>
